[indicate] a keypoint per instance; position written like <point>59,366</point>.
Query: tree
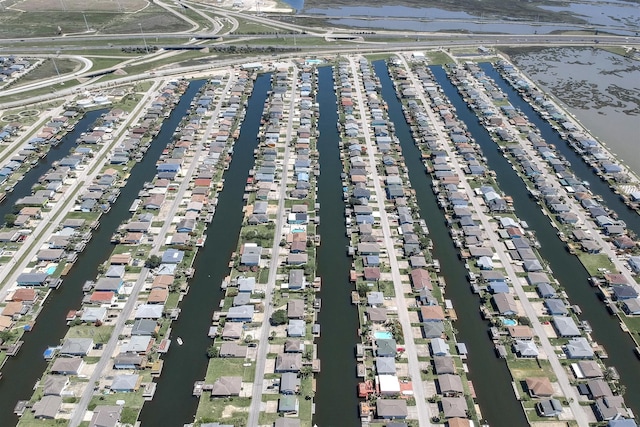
<point>305,371</point>
<point>363,289</point>
<point>212,351</point>
<point>523,320</point>
<point>279,317</point>
<point>153,261</point>
<point>6,335</point>
<point>10,219</point>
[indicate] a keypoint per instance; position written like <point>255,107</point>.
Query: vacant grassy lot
<point>17,24</point>
<point>592,262</point>
<point>47,69</point>
<point>81,5</point>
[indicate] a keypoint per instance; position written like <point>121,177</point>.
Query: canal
<point>582,170</point>
<point>567,269</point>
<point>173,403</point>
<point>336,397</point>
<point>23,187</point>
<point>21,372</point>
<point>490,375</point>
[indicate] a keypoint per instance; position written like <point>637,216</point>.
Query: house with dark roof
<point>391,408</point>
<point>289,383</point>
<point>443,365</point>
<point>556,307</point>
<point>549,408</point>
<point>288,404</point>
<point>47,407</point>
<point>67,365</point>
<point>377,314</point>
<point>288,362</point>
<point>450,385</point>
<point>623,292</point>
<point>432,329</point>
<point>226,386</point>
<point>505,304</point>
<point>610,407</point>
<point>106,416</point>
<point>454,407</point>
<point>76,346</point>
<point>386,347</point>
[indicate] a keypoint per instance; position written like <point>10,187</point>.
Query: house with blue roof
<point>172,256</point>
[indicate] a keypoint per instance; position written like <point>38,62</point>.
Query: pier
<point>185,364</point>
<point>336,399</point>
<point>21,372</point>
<point>489,375</point>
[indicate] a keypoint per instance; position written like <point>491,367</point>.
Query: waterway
<point>173,404</point>
<point>614,17</point>
<point>598,87</point>
<point>21,372</point>
<point>567,269</point>
<point>336,397</point>
<point>578,166</point>
<point>490,375</point>
<point>23,187</point>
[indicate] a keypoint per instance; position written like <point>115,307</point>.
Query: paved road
<point>29,131</point>
<point>569,392</point>
<point>53,218</point>
<point>132,300</point>
<point>263,344</point>
<point>58,80</point>
<point>424,415</point>
<point>585,221</point>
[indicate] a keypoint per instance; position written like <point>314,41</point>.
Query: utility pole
<point>85,22</point>
<point>146,48</point>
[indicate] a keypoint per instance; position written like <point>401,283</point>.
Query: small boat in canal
<point>179,341</point>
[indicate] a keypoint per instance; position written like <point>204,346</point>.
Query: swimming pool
<point>383,335</point>
<point>51,270</point>
<point>508,322</point>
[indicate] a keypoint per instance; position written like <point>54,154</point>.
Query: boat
<point>179,341</point>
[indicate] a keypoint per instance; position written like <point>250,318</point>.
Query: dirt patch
<point>230,410</point>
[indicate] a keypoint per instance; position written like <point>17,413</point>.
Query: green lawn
<point>438,58</point>
<point>100,334</point>
<point>47,70</point>
<point>132,406</point>
<point>219,367</point>
<point>523,368</point>
<point>592,262</point>
<point>633,323</point>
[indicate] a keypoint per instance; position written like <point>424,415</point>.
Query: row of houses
<point>102,303</point>
<point>582,143</point>
<point>572,334</point>
<point>12,67</point>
